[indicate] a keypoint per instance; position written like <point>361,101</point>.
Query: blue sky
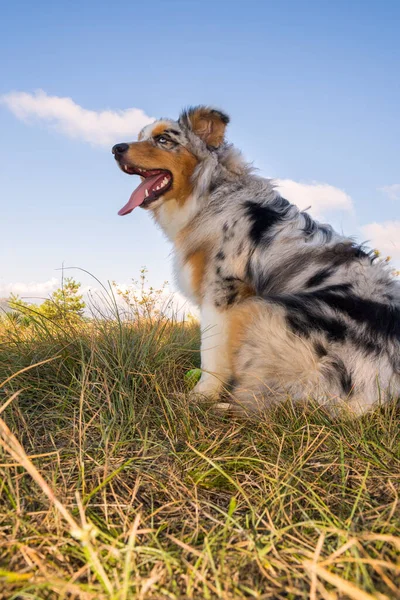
<point>312,89</point>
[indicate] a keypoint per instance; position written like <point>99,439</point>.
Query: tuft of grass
<point>113,486</point>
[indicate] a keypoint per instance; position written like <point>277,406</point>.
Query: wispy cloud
<point>385,237</point>
<point>393,191</point>
<point>102,128</point>
<point>321,197</point>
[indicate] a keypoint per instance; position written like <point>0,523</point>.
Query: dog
<point>289,308</point>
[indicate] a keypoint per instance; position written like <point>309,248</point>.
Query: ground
<point>112,486</point>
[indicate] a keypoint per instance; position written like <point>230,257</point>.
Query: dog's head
<point>167,153</point>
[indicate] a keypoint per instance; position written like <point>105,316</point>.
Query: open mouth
<point>155,183</point>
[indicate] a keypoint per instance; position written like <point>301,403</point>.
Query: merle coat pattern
<point>288,306</point>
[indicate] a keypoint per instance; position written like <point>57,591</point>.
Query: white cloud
<point>385,237</point>
<point>393,191</point>
<point>103,128</point>
<point>321,197</point>
<point>29,290</point>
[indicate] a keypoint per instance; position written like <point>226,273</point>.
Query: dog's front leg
<point>215,355</point>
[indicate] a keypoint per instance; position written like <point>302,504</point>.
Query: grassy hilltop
<point>112,486</point>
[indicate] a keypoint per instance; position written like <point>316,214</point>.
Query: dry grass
<point>112,488</point>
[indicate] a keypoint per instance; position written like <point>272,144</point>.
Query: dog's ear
<point>207,123</point>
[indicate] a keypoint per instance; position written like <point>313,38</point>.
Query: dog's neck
<point>173,217</point>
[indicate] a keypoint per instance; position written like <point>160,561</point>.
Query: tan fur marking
<point>208,126</point>
<point>246,291</point>
<point>158,129</point>
<point>240,317</point>
<point>183,235</point>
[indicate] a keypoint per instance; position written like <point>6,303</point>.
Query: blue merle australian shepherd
<point>289,308</point>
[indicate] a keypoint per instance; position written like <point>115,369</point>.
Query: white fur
<point>214,355</point>
<point>183,277</point>
<point>145,134</point>
<point>173,221</point>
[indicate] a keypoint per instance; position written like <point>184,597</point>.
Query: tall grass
<point>113,486</point>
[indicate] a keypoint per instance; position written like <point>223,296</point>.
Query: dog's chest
<point>211,265</point>
<point>202,277</point>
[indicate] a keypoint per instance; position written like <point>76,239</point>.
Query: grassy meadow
<point>113,486</point>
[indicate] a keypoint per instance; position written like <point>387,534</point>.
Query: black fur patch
<point>336,288</point>
<point>320,350</point>
<point>220,255</point>
<point>334,329</point>
<point>231,297</point>
<point>232,383</point>
<point>173,131</point>
<point>263,218</point>
<point>346,381</point>
<point>213,186</point>
<point>382,319</point>
<point>319,277</point>
<point>228,231</point>
<point>339,371</point>
<point>304,318</point>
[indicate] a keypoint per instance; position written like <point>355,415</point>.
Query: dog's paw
<point>196,397</point>
<point>206,390</point>
<point>231,409</point>
<point>227,409</point>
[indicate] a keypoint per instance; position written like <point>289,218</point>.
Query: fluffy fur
<point>288,306</point>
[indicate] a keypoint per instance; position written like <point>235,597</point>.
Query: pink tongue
<point>138,196</point>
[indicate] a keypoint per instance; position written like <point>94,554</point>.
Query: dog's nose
<point>119,148</point>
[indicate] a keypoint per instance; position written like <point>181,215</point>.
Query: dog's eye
<point>162,140</point>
